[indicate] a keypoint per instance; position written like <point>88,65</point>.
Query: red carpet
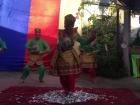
<point>22,96</point>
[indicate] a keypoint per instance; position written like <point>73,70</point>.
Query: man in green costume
<point>89,47</point>
<point>36,47</point>
<point>135,55</point>
<point>2,45</point>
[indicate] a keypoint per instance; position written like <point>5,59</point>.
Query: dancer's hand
<point>1,49</point>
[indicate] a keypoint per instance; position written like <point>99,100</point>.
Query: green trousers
<point>27,70</point>
<point>135,65</point>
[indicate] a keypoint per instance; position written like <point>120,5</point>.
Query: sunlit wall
<point>69,7</point>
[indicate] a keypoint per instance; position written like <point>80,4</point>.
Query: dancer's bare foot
<point>91,79</point>
<point>41,80</point>
<point>22,81</point>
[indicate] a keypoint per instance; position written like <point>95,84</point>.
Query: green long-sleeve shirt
<point>2,44</point>
<point>40,44</point>
<point>86,46</point>
<point>136,42</point>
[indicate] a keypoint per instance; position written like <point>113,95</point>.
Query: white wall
<point>69,7</point>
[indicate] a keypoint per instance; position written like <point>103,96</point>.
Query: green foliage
<point>85,30</point>
<point>109,63</point>
<point>106,27</point>
<point>110,66</point>
<point>82,5</point>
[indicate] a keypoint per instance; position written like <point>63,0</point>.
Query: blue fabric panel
<point>14,17</point>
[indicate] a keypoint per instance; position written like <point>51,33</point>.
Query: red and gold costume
<point>66,61</point>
